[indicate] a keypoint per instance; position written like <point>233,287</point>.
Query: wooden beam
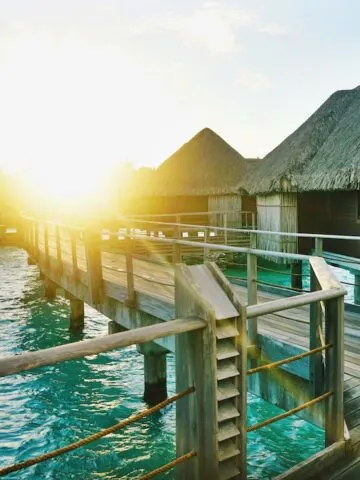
<point>291,302</point>
<point>50,356</point>
<point>196,415</point>
<point>334,360</point>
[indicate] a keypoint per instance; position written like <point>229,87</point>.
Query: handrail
<point>50,356</point>
<point>214,246</point>
<point>249,230</point>
<point>272,306</point>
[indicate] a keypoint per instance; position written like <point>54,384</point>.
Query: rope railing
<point>285,361</point>
<point>308,404</point>
<point>96,436</point>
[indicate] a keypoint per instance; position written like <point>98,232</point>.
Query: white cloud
<point>252,80</point>
<point>212,26</point>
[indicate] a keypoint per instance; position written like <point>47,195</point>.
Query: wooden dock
<point>131,273</point>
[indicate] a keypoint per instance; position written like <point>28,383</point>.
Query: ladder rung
<point>227,430</point>
<point>226,349</point>
<point>226,411</point>
<point>226,369</point>
<point>226,330</point>
<point>227,470</point>
<point>227,450</point>
<point>226,389</point>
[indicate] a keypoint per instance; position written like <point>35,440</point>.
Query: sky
<point>87,84</point>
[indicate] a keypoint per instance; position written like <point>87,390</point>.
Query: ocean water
<point>47,408</point>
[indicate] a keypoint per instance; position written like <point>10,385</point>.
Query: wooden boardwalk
<point>154,284</point>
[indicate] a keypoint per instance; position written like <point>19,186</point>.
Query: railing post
<point>316,334</point>
<point>46,245</point>
<point>225,226</point>
<point>58,250</point>
<point>177,247</point>
<point>334,407</point>
<point>206,250</point>
<point>36,240</point>
<point>252,289</point>
<point>94,265</point>
<point>73,240</point>
<point>131,299</point>
<point>318,247</point>
<point>196,415</point>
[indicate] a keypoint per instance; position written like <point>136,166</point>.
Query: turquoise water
<point>53,406</point>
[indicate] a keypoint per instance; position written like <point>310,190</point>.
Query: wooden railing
<point>326,347</point>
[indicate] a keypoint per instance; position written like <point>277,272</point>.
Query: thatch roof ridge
<point>205,165</point>
<point>322,154</point>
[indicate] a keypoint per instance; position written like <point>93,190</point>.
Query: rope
<point>169,465</point>
<point>95,436</point>
<point>290,412</point>
<point>283,273</point>
<point>269,366</point>
<point>282,286</point>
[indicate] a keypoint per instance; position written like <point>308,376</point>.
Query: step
<point>226,329</point>
<point>227,449</point>
<point>228,470</point>
<point>226,389</point>
<point>227,430</point>
<point>226,411</point>
<point>226,349</point>
<point>226,369</point>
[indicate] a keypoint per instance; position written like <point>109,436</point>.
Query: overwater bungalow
<point>200,176</point>
<point>311,181</point>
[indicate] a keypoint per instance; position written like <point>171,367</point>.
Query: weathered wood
<point>334,358</point>
<point>291,302</point>
<point>196,415</point>
<point>155,390</point>
<point>36,240</point>
<point>73,240</point>
<point>46,244</point>
<point>131,300</point>
<point>318,246</point>
<point>313,466</point>
<point>324,275</point>
<point>58,248</point>
<point>77,314</point>
<point>49,288</point>
<point>316,361</point>
<point>50,356</point>
<point>94,266</point>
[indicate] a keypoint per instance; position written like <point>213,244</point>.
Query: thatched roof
<point>205,165</point>
<point>322,154</point>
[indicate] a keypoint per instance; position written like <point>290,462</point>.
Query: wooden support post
<point>357,289</point>
<point>177,247</point>
<point>253,225</point>
<point>225,226</point>
<point>131,298</point>
<point>73,240</point>
<point>77,314</point>
<point>206,250</point>
<point>46,246</point>
<point>114,327</point>
<point>36,240</point>
<point>252,290</point>
<point>94,266</point>
<point>155,378</point>
<point>50,288</point>
<point>334,408</point>
<point>58,250</point>
<point>316,331</point>
<point>318,247</point>
<point>196,414</point>
<point>296,275</point>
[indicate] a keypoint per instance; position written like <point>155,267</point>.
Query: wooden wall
<point>278,213</point>
<point>222,203</point>
<point>330,213</point>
